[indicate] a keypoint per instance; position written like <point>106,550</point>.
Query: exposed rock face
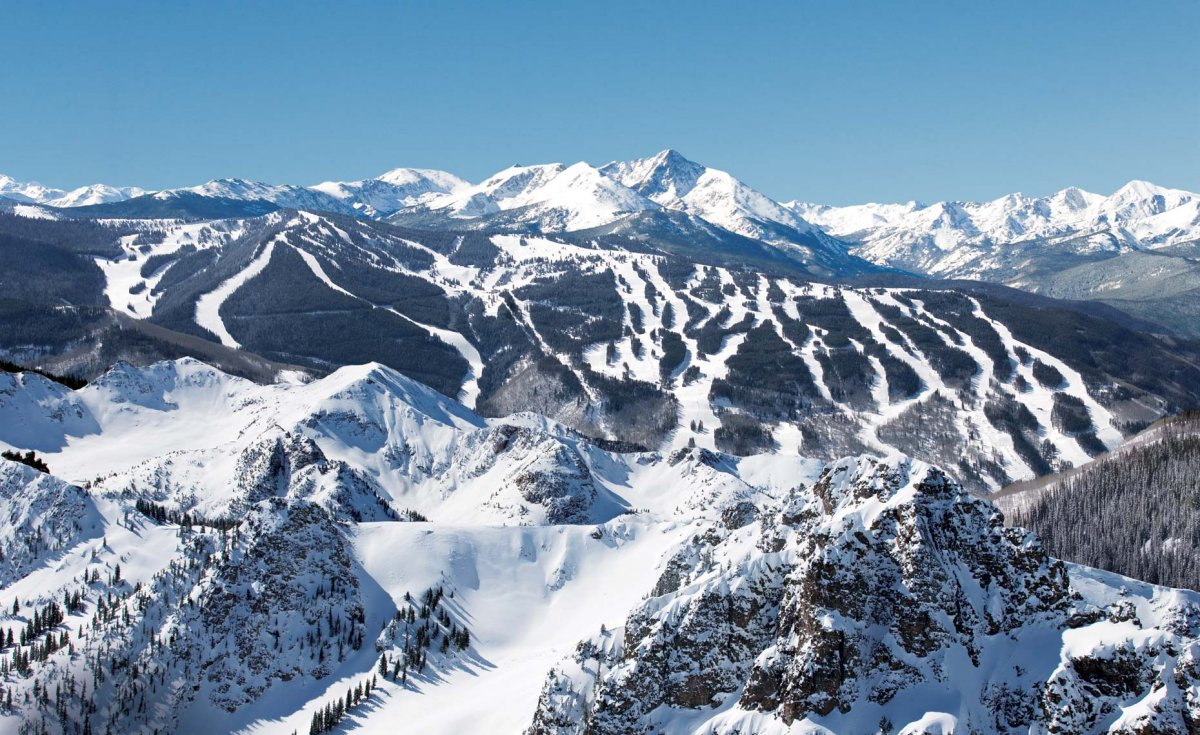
<point>292,465</point>
<point>40,516</point>
<point>540,478</point>
<point>288,587</point>
<point>882,581</point>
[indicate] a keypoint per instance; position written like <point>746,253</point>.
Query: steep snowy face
<point>40,414</point>
<point>507,189</point>
<point>40,518</point>
<point>551,197</point>
<point>881,593</point>
<point>676,183</point>
<point>665,178</point>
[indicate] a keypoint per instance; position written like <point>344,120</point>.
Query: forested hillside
<point>1136,513</point>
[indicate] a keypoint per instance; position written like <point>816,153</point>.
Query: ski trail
<point>315,266</point>
<point>1106,429</point>
<point>469,393</point>
<point>980,387</point>
<point>208,306</point>
<point>694,405</point>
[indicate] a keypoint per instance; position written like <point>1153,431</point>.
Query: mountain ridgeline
<point>619,449</point>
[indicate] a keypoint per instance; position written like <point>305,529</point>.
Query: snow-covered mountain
<point>32,192</point>
<point>96,194</point>
<point>27,191</point>
<point>236,557</point>
<point>550,197</point>
<point>395,189</point>
<point>970,239</point>
<point>945,239</point>
<point>666,200</point>
<point>289,196</point>
<point>674,182</point>
<point>882,599</point>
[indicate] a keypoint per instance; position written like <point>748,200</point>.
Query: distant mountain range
<point>556,197</point>
<point>1135,249</point>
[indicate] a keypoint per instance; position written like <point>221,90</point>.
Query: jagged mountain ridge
<point>263,616</point>
<point>1134,250</point>
<point>947,238</point>
<point>855,603</point>
<point>188,437</point>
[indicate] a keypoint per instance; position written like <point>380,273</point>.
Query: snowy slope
<point>395,189</point>
<point>96,194</point>
<point>882,599</point>
<point>194,439</point>
<point>551,197</point>
<point>674,182</point>
<point>226,552</point>
<point>858,345</point>
<point>84,195</point>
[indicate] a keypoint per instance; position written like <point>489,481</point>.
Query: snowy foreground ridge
<point>362,554</point>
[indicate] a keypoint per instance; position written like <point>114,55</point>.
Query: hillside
<point>241,557</point>
<point>1135,512</point>
<point>626,344</point>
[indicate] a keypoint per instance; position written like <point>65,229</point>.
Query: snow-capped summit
<point>423,177</point>
<point>665,177</point>
<point>392,190</point>
<point>1138,200</point>
<point>677,183</point>
<point>553,196</point>
<point>30,191</point>
<point>950,238</point>
<point>506,189</point>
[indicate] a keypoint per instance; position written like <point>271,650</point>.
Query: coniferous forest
<point>1136,513</point>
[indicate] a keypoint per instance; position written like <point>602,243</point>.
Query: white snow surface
<point>185,435</point>
<point>35,193</point>
<point>208,306</point>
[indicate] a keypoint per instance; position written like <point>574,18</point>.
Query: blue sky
<point>833,102</point>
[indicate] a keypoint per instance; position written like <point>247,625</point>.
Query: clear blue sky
<point>835,102</point>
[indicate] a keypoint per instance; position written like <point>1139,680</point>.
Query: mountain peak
<point>374,378</point>
<point>431,179</point>
<point>1140,189</point>
<point>672,156</point>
